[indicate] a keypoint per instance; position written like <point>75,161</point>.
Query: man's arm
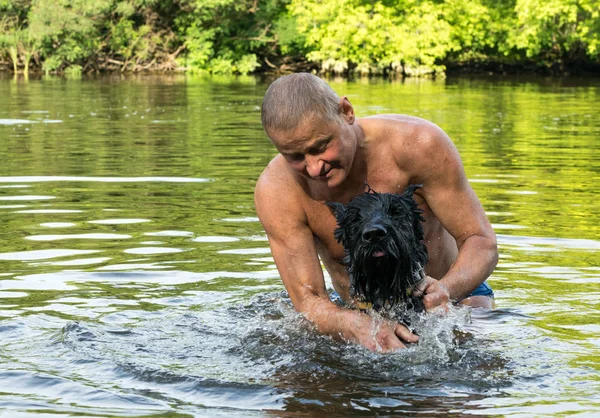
<point>293,248</point>
<point>452,200</point>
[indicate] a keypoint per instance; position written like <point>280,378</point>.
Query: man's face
<point>318,149</point>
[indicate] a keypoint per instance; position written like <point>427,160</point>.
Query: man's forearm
<point>332,320</point>
<point>354,326</point>
<point>477,258</point>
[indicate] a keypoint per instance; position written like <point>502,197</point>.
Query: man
<point>327,154</point>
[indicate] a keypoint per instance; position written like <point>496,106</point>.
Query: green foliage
<point>73,71</point>
<point>199,44</point>
<point>375,36</point>
<point>65,31</point>
<point>246,64</point>
<point>289,38</point>
<point>555,31</point>
<point>411,37</point>
<point>15,39</point>
<point>227,36</point>
<point>421,36</point>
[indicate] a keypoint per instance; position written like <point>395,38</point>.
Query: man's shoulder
<point>412,144</point>
<point>404,135</point>
<point>277,180</point>
<point>278,196</point>
<point>272,174</point>
<point>398,118</point>
<point>401,132</point>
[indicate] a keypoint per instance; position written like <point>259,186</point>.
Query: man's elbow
<point>493,254</point>
<point>486,247</point>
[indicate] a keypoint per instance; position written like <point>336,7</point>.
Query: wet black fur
<point>383,222</point>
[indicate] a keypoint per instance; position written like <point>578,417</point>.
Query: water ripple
<point>35,179</point>
<point>547,243</point>
<point>76,236</point>
<point>118,221</point>
<point>25,197</point>
<point>43,254</point>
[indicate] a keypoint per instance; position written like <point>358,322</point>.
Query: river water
<point>136,280</point>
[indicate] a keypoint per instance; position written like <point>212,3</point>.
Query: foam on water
<point>266,342</point>
<point>210,349</point>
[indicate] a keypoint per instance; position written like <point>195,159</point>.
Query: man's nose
<point>314,166</point>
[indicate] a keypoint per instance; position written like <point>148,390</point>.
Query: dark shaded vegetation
<point>387,37</point>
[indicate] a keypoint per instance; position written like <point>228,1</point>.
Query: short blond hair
<point>290,99</point>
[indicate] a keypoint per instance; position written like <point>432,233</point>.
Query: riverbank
<point>478,69</point>
<point>423,38</point>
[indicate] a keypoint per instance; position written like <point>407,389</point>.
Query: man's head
<point>292,99</point>
<point>383,239</point>
<point>311,126</point>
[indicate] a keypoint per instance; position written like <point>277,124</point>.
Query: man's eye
<point>295,157</point>
<point>321,149</point>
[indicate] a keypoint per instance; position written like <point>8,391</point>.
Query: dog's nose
<point>373,233</point>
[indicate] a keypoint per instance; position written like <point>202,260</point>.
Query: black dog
<point>385,254</point>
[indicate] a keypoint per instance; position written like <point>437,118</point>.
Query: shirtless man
<point>327,154</point>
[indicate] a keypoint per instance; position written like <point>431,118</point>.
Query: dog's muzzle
<point>374,233</point>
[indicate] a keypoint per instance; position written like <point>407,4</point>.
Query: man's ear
<point>337,209</point>
<point>346,110</point>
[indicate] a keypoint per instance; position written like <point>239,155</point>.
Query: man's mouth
<point>325,175</point>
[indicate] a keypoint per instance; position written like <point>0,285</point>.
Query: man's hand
<point>381,336</point>
<point>436,295</point>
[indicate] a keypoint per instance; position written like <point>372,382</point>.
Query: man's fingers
<point>404,334</point>
<point>391,343</point>
<point>435,301</point>
<point>421,287</point>
<point>432,301</point>
<point>392,337</point>
<point>441,307</point>
<point>437,295</point>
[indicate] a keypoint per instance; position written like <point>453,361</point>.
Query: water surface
<point>135,279</point>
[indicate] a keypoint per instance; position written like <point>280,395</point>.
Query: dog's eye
<point>354,214</point>
<point>389,208</point>
<point>352,218</point>
<point>397,210</point>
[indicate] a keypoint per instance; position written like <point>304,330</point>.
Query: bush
<point>407,37</point>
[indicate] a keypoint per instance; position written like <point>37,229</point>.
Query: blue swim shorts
<point>483,289</point>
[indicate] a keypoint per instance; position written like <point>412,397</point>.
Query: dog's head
<point>383,239</point>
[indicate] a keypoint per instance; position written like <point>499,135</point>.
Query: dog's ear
<point>337,209</point>
<point>410,190</point>
<point>410,194</point>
